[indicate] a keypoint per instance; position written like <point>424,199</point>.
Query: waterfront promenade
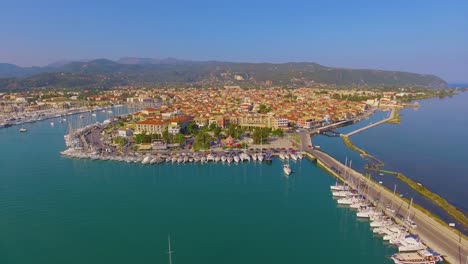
<point>392,114</point>
<point>441,238</point>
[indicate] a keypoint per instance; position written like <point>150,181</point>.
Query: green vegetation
<point>191,128</point>
<point>234,131</point>
<point>202,141</point>
<point>441,202</point>
<point>121,141</point>
<point>351,97</point>
<point>101,73</point>
<point>144,138</point>
<point>396,117</point>
<point>350,145</point>
<point>264,109</point>
<point>260,135</point>
<point>295,138</point>
<point>277,132</point>
<point>179,138</point>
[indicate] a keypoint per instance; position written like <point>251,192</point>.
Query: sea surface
<point>430,146</point>
<point>59,210</point>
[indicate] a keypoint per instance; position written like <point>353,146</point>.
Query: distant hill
<point>103,73</point>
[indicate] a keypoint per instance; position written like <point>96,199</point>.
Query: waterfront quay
<point>452,245</point>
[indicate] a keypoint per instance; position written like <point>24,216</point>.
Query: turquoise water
<point>61,210</point>
<point>429,146</point>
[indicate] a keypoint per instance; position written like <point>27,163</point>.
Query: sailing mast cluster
<point>411,248</point>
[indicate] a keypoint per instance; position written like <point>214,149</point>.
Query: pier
<point>452,245</point>
<point>392,114</point>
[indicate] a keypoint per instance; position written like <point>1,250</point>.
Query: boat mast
<point>170,251</point>
<point>409,209</point>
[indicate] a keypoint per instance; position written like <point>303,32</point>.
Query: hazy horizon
<point>418,36</point>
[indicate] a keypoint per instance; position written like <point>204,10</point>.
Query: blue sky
<point>410,35</point>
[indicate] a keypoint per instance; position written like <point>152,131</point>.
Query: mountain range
<point>104,73</point>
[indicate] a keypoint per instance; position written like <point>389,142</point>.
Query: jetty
<point>392,115</point>
<point>443,239</point>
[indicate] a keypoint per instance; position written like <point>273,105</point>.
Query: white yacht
<point>146,160</point>
<point>236,159</point>
<point>419,257</point>
<point>342,193</point>
<point>260,157</point>
<point>210,157</point>
<point>287,169</point>
<point>410,243</point>
<point>346,201</point>
<point>254,157</point>
<point>360,203</point>
<point>339,187</point>
<point>293,157</point>
<point>381,223</point>
<point>365,213</point>
<point>281,156</point>
<point>23,129</point>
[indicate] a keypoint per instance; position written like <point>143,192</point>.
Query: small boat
<point>23,129</point>
<point>93,114</point>
<point>81,116</point>
<point>52,124</point>
<point>286,169</point>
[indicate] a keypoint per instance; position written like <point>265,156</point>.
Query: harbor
<point>394,210</point>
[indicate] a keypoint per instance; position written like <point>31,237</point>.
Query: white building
<point>125,132</point>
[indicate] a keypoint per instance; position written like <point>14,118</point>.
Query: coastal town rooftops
<point>153,122</point>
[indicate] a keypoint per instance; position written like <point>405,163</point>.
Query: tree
<point>202,141</point>
<point>212,126</point>
<point>233,131</point>
<point>179,138</point>
<point>165,135</point>
<point>191,128</point>
<point>216,131</point>
<point>264,109</point>
<point>277,132</point>
<point>260,135</point>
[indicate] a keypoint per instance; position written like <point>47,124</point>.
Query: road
<point>392,114</point>
<point>441,238</point>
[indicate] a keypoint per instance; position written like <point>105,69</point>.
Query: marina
<point>351,196</point>
<point>120,212</point>
<point>384,224</point>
